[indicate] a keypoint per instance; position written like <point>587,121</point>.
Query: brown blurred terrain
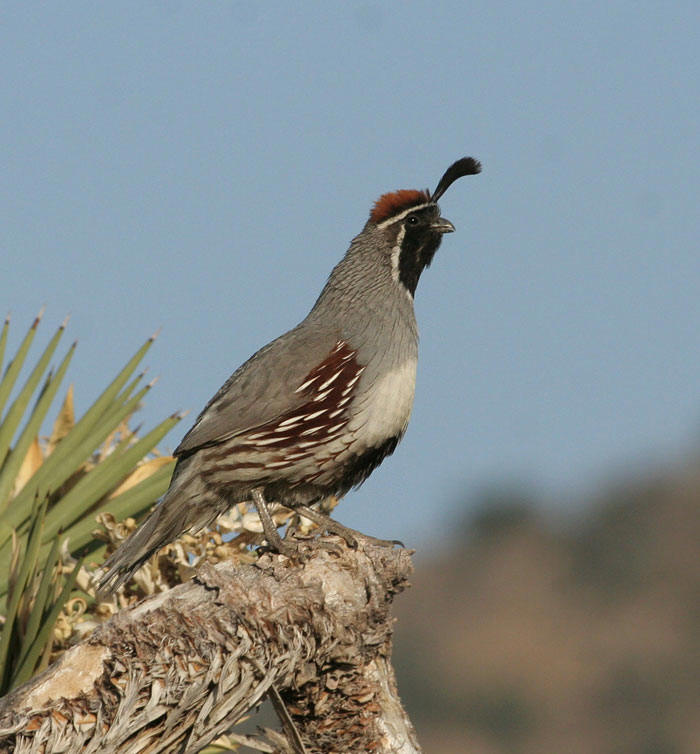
<point>530,635</point>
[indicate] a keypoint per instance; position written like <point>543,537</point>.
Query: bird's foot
<point>297,551</point>
<point>351,536</point>
<point>378,542</point>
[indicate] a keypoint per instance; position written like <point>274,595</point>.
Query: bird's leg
<point>272,536</point>
<point>349,535</point>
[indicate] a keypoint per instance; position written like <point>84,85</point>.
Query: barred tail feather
<point>186,505</point>
<point>153,534</point>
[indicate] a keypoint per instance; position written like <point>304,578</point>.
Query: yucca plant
<point>52,489</point>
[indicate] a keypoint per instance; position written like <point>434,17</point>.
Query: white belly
<point>386,407</point>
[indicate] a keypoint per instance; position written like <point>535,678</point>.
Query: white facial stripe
<point>408,211</point>
<point>395,255</point>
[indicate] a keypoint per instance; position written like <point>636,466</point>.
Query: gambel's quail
<point>315,411</point>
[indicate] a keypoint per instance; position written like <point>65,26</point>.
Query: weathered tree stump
<point>180,668</point>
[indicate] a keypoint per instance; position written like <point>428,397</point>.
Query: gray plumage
<point>312,413</point>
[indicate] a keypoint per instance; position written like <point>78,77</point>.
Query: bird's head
<point>411,227</point>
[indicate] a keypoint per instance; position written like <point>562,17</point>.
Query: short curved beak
<point>442,225</point>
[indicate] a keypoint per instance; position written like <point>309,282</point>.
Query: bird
<point>315,411</point>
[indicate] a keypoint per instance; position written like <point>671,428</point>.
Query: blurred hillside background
<point>202,166</point>
<point>527,633</point>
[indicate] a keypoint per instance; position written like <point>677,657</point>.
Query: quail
<point>315,411</point>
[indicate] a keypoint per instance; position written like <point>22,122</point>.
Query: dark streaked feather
<point>260,390</point>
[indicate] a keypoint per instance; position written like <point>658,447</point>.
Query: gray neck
<point>365,303</point>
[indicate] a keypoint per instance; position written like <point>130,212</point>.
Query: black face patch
<point>420,242</point>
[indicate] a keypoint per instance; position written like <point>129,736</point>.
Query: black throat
<point>417,250</point>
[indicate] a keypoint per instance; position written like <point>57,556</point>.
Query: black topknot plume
<point>465,166</point>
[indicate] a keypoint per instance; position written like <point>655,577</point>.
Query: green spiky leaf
<point>51,490</point>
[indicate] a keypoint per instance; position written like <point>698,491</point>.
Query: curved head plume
<point>396,202</point>
<point>465,166</point>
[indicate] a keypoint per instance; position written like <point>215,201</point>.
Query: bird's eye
<point>412,220</point>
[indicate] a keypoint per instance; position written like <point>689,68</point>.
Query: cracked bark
<point>180,668</point>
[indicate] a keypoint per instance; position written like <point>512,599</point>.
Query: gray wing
<point>260,389</point>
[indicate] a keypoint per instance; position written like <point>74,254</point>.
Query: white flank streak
<point>352,382</point>
<point>275,464</point>
<point>269,442</point>
<point>329,381</point>
<point>335,413</point>
<point>306,384</point>
<point>321,396</point>
<point>292,420</point>
<point>307,443</point>
<point>310,431</point>
<point>336,428</point>
<point>255,436</point>
<point>315,414</point>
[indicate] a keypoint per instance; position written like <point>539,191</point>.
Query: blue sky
<point>202,166</point>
